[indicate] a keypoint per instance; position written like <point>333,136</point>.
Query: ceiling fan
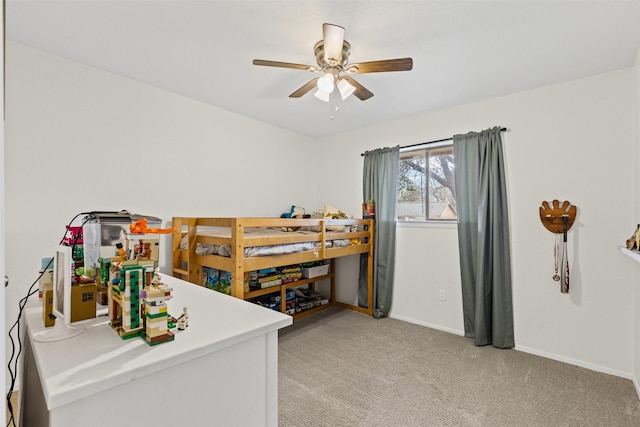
<point>332,56</point>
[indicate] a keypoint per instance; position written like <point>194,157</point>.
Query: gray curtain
<point>483,237</point>
<point>379,182</point>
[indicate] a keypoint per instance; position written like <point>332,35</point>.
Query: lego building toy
<point>137,301</point>
<point>156,316</point>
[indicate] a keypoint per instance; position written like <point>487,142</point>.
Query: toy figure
<point>156,277</point>
<point>137,249</point>
<point>146,251</point>
<point>183,320</point>
<point>121,252</point>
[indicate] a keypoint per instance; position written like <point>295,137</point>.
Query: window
<point>426,184</point>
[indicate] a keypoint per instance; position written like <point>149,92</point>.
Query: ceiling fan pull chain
<point>331,100</point>
<point>334,102</point>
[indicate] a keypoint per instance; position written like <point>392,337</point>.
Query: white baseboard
<point>581,363</point>
<point>428,325</point>
<point>637,386</point>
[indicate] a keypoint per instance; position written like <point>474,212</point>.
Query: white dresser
<point>222,370</point>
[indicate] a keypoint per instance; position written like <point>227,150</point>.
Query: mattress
<point>253,251</point>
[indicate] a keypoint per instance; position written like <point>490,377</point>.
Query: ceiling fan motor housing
<point>341,63</point>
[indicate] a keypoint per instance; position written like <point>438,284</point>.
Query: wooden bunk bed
<point>237,234</point>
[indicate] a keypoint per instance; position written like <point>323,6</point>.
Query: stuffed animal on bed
<point>296,212</point>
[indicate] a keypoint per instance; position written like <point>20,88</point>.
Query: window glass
<point>426,184</point>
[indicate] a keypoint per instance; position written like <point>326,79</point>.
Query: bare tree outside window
<point>426,184</point>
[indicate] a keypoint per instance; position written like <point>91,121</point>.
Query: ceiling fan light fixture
<point>326,83</point>
<point>345,88</point>
<point>326,97</point>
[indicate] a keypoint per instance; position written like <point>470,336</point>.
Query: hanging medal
<point>557,253</point>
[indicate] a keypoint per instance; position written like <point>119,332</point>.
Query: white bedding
<point>225,250</point>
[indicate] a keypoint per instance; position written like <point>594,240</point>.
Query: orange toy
<point>140,227</point>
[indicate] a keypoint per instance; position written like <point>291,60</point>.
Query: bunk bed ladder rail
<point>237,256</point>
<point>178,269</point>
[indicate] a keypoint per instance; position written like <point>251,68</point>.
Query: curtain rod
<point>432,142</point>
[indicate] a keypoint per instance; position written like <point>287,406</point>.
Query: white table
<point>222,370</point>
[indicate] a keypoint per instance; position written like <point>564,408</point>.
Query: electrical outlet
<point>442,295</point>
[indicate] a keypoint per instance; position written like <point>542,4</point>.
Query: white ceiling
<point>463,51</point>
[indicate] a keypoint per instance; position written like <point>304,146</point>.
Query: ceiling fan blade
<point>305,88</point>
<point>361,92</point>
<point>333,37</point>
<point>400,64</point>
<point>283,65</point>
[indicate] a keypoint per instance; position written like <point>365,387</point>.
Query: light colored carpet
<point>342,368</point>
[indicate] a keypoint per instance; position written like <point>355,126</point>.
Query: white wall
<point>79,139</point>
<point>3,419</point>
<point>571,141</point>
<point>636,187</point>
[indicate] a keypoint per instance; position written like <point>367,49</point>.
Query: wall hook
<point>558,217</point>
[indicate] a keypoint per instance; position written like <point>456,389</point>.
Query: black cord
<point>21,304</point>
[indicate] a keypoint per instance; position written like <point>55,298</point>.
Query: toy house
<point>107,234</point>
